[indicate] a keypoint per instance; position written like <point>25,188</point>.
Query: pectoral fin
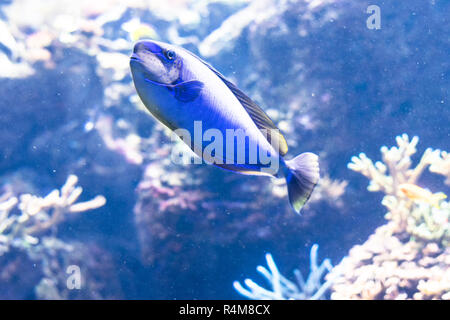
<point>187,91</point>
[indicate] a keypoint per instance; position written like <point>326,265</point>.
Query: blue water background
<point>382,82</point>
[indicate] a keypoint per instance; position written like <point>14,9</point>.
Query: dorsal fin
<point>259,117</point>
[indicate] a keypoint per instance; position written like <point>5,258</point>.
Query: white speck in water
<point>89,126</point>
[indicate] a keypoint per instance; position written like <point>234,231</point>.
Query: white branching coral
<point>395,171</point>
<point>23,218</point>
<point>384,267</point>
<point>428,223</point>
<point>441,165</point>
<point>408,257</point>
<point>284,289</point>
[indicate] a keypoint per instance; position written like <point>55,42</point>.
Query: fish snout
<point>143,49</point>
<point>146,46</point>
<point>149,61</point>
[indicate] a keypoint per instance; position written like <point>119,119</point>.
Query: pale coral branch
<point>282,288</point>
<point>441,165</point>
<point>38,214</point>
<point>396,169</point>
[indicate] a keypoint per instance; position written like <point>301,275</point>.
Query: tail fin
<point>301,177</point>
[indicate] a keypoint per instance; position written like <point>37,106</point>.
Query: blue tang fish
<point>185,93</point>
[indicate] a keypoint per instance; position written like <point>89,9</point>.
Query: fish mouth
<point>135,58</point>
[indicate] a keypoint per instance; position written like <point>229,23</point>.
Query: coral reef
<point>28,226</point>
<point>99,278</point>
<point>284,289</point>
<point>414,216</point>
<point>38,215</point>
<point>384,267</point>
<point>329,83</point>
<point>441,165</point>
<point>409,257</point>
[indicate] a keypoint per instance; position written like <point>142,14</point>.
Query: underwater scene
<point>225,149</point>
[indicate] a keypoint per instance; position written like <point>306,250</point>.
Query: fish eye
<point>169,54</point>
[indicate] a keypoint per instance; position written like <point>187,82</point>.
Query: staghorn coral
<point>384,267</point>
<point>441,165</point>
<point>409,257</point>
<point>26,223</point>
<point>38,214</point>
<point>394,170</point>
<point>428,223</point>
<point>284,289</point>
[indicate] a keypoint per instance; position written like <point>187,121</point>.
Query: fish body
<point>417,193</point>
<point>185,93</point>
